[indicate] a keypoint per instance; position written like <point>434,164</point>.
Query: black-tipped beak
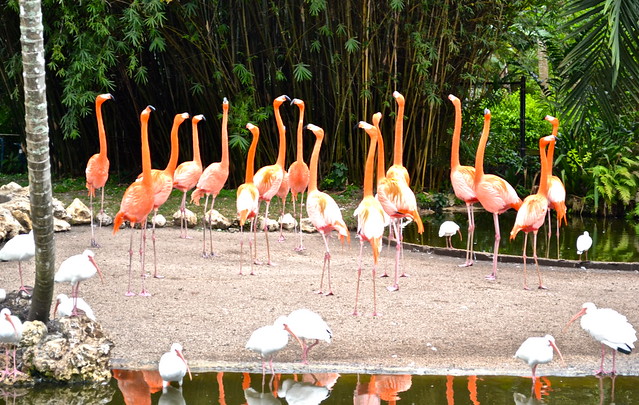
<point>151,107</point>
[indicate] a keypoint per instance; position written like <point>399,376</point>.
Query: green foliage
<point>301,72</point>
<point>337,178</point>
<point>432,201</point>
<point>618,183</point>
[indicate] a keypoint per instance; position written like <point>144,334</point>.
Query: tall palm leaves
<point>600,70</point>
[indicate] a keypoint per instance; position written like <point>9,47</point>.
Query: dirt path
<point>444,319</point>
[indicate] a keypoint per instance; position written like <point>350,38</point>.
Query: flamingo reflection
<point>220,383</point>
<point>365,393</point>
<point>389,386</point>
<point>134,385</point>
<point>472,390</point>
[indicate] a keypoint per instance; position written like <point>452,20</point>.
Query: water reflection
<point>137,386</point>
<point>614,239</point>
<point>171,396</point>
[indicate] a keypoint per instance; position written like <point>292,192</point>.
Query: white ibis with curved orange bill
<point>608,327</point>
<point>75,269</point>
<point>173,366</point>
<point>537,350</point>
<point>17,249</point>
<point>10,335</point>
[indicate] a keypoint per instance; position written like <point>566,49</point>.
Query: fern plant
<point>618,183</point>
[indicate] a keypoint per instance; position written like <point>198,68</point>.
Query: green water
<point>136,387</point>
<point>614,239</point>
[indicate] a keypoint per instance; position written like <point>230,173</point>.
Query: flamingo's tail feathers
<point>515,231</point>
<point>342,229</point>
<point>561,213</point>
<point>516,204</point>
<point>418,221</point>
<point>118,221</point>
<point>243,216</point>
<point>90,190</point>
<point>196,195</point>
<point>376,246</point>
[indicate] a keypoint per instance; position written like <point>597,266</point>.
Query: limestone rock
<point>9,226</point>
<point>32,333</point>
<point>307,226</point>
<point>288,222</point>
<point>218,221</point>
<point>104,219</point>
<point>60,225</point>
<point>273,225</point>
<point>10,188</point>
<point>79,212</point>
<point>191,218</point>
<point>75,350</point>
<point>160,221</point>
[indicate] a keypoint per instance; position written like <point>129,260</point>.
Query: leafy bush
<point>337,178</point>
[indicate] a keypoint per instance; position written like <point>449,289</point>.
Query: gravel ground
<point>443,320</point>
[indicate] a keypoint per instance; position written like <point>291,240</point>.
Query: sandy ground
<point>443,320</point>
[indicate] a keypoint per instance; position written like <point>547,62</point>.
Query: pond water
<point>145,387</point>
<point>614,239</point>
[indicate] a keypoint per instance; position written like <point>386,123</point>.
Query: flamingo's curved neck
<point>368,172</point>
<point>250,159</point>
<point>281,154</point>
<point>146,151</point>
<point>479,157</point>
<point>380,156</point>
<point>545,166</point>
<point>196,144</point>
<point>300,127</point>
<point>454,154</point>
<point>101,132</point>
<point>175,145</point>
<point>312,182</point>
<point>225,136</point>
<point>399,135</point>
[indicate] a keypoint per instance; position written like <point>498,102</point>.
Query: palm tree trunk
<point>37,131</point>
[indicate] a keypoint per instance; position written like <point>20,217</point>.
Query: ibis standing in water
<point>608,327</point>
<point>537,350</point>
<point>584,242</point>
<point>448,229</point>
<point>173,366</point>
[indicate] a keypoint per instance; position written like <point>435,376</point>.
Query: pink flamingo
<point>299,174</point>
<point>212,181</point>
<point>495,194</point>
<point>268,179</point>
<point>137,201</point>
<point>371,218</point>
<point>397,199</point>
<point>248,196</point>
<point>556,189</point>
<point>163,181</point>
<point>322,209</point>
<point>187,175</point>
<point>532,213</point>
<point>463,181</point>
<point>97,171</point>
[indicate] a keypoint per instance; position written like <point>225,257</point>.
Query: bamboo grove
<point>343,58</point>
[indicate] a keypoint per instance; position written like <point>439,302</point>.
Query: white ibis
<point>268,341</point>
<point>584,242</point>
<point>305,324</point>
<point>537,350</point>
<point>173,366</point>
<point>75,269</point>
<point>448,229</point>
<point>64,307</point>
<point>302,393</point>
<point>10,335</point>
<point>608,327</point>
<point>19,248</point>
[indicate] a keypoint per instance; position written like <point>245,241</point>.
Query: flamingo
<point>304,324</point>
<point>371,218</point>
<point>173,366</point>
<point>75,269</point>
<point>268,340</point>
<point>388,386</point>
<point>298,171</point>
<point>212,180</point>
<point>495,194</point>
<point>10,335</point>
<point>282,193</point>
<point>608,327</point>
<point>248,196</point>
<point>537,350</point>
<point>17,249</point>
<point>556,189</point>
<point>163,181</point>
<point>397,199</point>
<point>137,201</point>
<point>97,171</point>
<point>532,213</point>
<point>64,307</point>
<point>584,242</point>
<point>269,178</point>
<point>322,209</point>
<point>187,175</point>
<point>463,181</point>
<point>448,229</point>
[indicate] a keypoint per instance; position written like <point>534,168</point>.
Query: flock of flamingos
<point>393,202</point>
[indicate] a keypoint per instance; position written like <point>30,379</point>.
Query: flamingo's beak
<point>92,260</point>
<point>574,318</point>
<point>554,346</point>
<point>179,353</point>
